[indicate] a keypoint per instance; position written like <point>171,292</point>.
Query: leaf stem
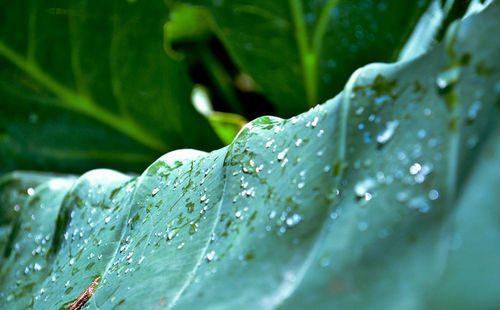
<point>83,104</point>
<point>310,53</point>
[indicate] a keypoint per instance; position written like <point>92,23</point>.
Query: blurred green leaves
<point>87,84</point>
<point>301,52</point>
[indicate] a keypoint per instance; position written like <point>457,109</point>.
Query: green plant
<point>381,198</point>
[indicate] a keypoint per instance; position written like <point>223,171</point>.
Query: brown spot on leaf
<point>84,297</point>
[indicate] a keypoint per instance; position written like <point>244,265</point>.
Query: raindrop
<point>314,122</point>
<point>382,99</point>
<point>282,154</point>
<point>155,191</point>
<point>359,110</point>
<point>433,194</point>
<point>362,226</point>
<point>385,135</point>
<point>272,214</point>
<point>415,168</point>
<point>210,256</point>
<point>421,133</point>
<point>419,203</point>
<point>362,188</point>
<point>293,220</point>
<point>446,79</point>
<point>473,111</point>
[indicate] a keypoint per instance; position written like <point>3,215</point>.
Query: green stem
<point>307,58</point>
<point>320,30</point>
<point>83,104</point>
<point>310,53</point>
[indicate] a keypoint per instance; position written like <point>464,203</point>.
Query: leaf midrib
<point>81,103</point>
<point>310,51</point>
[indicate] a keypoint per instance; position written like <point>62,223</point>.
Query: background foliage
<point>89,84</point>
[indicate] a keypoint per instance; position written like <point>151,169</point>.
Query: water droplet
<point>155,191</point>
<point>362,188</point>
<point>272,214</point>
<point>106,220</point>
<point>362,226</point>
<point>315,122</point>
<point>446,79</point>
<point>210,256</point>
<point>385,135</point>
<point>415,168</point>
<point>473,111</point>
<point>419,203</point>
<point>282,154</point>
<point>382,99</point>
<point>433,194</point>
<point>421,133</point>
<point>298,142</point>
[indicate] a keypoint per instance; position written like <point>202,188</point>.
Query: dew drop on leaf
<point>293,220</point>
<point>386,134</point>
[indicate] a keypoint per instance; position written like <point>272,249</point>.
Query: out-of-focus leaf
<point>345,206</point>
<point>471,277</point>
<point>301,52</point>
<point>226,125</point>
<point>88,84</point>
<point>186,24</point>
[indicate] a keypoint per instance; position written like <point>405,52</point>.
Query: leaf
<point>74,100</point>
<point>226,125</point>
<point>301,54</point>
<point>349,205</point>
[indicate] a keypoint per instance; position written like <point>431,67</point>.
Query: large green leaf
<point>301,52</point>
<point>86,84</point>
<point>349,205</point>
